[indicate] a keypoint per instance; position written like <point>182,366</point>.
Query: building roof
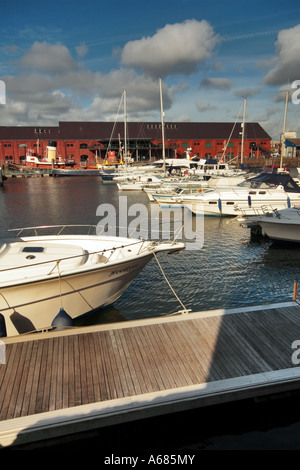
<point>135,130</point>
<point>292,142</point>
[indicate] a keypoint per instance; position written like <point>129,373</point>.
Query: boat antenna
<point>283,130</point>
<point>162,127</point>
<point>243,131</point>
<point>125,126</point>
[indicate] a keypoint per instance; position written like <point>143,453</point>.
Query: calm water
<point>230,270</point>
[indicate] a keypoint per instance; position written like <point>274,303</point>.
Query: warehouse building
<point>88,143</point>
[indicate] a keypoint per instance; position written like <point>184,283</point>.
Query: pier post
<point>295,295</point>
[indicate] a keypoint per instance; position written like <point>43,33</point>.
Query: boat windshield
<point>271,180</point>
<point>256,184</point>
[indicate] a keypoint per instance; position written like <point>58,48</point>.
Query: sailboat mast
<point>162,128</point>
<point>283,130</point>
<point>125,126</point>
<point>243,132</point>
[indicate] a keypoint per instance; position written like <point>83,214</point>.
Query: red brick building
<point>85,143</point>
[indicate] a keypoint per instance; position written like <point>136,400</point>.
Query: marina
<point>139,359</point>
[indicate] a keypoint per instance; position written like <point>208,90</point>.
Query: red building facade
<point>88,143</point>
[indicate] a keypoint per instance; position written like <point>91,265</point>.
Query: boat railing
<point>55,229</point>
<point>263,210</point>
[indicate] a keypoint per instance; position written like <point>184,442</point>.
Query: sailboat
<point>153,176</point>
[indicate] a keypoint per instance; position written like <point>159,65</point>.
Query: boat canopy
<point>272,180</point>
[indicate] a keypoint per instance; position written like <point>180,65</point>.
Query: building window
<point>208,145</point>
<point>83,146</point>
<point>231,144</point>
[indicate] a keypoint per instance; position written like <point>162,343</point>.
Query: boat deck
<point>57,383</point>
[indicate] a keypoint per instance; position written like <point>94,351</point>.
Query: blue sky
<point>70,60</point>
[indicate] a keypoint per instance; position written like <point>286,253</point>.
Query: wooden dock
<point>76,380</point>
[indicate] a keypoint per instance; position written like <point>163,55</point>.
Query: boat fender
<point>220,204</point>
<point>288,202</point>
<point>249,201</point>
<point>62,320</point>
<point>3,332</point>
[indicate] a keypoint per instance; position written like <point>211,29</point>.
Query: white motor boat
<point>138,182</point>
<point>252,197</point>
<point>279,225</point>
<point>43,275</point>
<point>171,186</point>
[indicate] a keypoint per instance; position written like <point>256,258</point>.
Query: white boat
<point>275,191</point>
<point>177,196</point>
<point>214,167</point>
<point>42,274</point>
<point>171,186</point>
<point>279,225</point>
<point>138,182</point>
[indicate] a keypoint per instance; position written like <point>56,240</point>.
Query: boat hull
<point>241,206</point>
<point>34,305</point>
<point>283,232</point>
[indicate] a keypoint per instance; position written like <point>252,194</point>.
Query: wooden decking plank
<point>9,370</point>
<point>120,374</point>
<point>149,368</point>
<point>53,376</point>
<point>88,389</point>
<point>138,345</point>
<point>207,338</point>
<point>248,354</point>
<point>182,361</point>
<point>188,351</point>
<point>153,347</point>
<point>109,365</point>
<point>156,377</point>
<point>103,366</point>
<point>19,388</point>
<point>205,353</point>
<point>218,361</point>
<point>94,368</point>
<point>30,397</point>
<point>59,375</point>
<point>163,361</point>
<point>125,364</point>
<point>168,364</point>
<point>229,344</point>
<point>271,344</point>
<point>43,371</point>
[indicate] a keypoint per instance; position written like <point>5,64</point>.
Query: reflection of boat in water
<point>78,273</point>
<point>75,172</point>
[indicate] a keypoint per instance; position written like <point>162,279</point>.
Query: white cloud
<point>82,50</point>
<point>287,65</point>
<point>48,58</point>
<point>176,48</point>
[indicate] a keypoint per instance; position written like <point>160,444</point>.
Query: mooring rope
<point>184,309</point>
